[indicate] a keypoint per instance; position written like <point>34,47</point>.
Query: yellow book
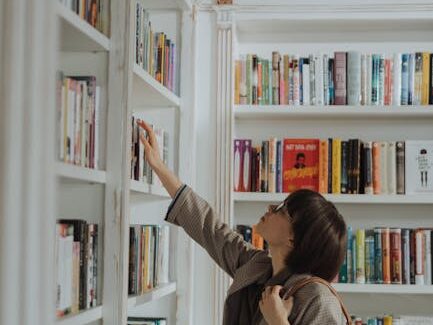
<point>162,57</point>
<point>387,320</point>
<point>286,78</point>
<point>336,166</point>
<point>237,81</point>
<point>425,78</point>
<point>360,256</point>
<point>323,166</point>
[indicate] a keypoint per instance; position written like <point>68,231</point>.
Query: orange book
<point>257,240</point>
<point>386,256</point>
<point>336,166</point>
<point>395,245</point>
<point>259,81</point>
<point>376,168</point>
<point>237,81</point>
<point>425,78</point>
<point>323,166</point>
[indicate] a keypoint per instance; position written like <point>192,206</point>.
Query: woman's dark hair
<point>319,235</point>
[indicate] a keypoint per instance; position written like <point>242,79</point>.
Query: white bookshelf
<point>400,289</point>
<point>153,295</point>
<point>148,189</point>
<point>339,198</point>
<point>299,28</point>
<point>169,4</point>
<point>272,112</point>
<point>149,92</point>
<point>78,35</point>
<point>78,173</point>
<point>83,317</point>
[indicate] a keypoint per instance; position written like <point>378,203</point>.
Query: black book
<point>329,165</point>
<point>344,163</point>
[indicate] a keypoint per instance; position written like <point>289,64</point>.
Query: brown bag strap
<point>303,282</point>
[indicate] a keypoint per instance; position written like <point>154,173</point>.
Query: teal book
<point>349,257</point>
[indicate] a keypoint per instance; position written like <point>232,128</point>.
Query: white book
<point>381,93</point>
<point>353,78</point>
<point>296,83</point>
<point>416,320</point>
<point>97,125</point>
<point>411,78</point>
<point>419,166</point>
<point>428,261</point>
<point>312,68</point>
<point>318,63</point>
<point>396,75</point>
<point>363,79</point>
<point>90,266</point>
<point>325,79</point>
<point>62,124</point>
<point>84,124</point>
<point>392,168</point>
<point>383,167</point>
<point>70,128</point>
<point>247,165</point>
<point>369,77</point>
<point>305,84</point>
<point>164,255</point>
<point>290,86</point>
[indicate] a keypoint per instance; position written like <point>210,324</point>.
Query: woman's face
<point>276,227</point>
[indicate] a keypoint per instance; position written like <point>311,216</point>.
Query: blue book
<point>378,254</point>
<point>370,259</point>
<point>301,88</point>
<point>372,321</point>
<point>349,257</point>
<point>354,251</point>
<point>279,180</point>
<point>404,79</point>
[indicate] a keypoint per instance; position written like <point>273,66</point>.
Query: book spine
<point>354,258</point>
<point>344,161</point>
<point>417,95</point>
<point>305,81</point>
<point>388,82</point>
<point>419,257</point>
<point>290,81</point>
<point>412,256</point>
<point>363,79</point>
<point>381,85</point>
<point>312,79</point>
<point>243,93</point>
<point>368,167</point>
<point>376,168</point>
<point>318,85</point>
<point>405,256</point>
<point>323,167</point>
<point>375,79</point>
<point>276,58</point>
<point>396,261</point>
<point>265,166</point>
<point>392,168</point>
<point>404,79</point>
<point>360,256</point>
<point>396,75</point>
<point>237,165</point>
<point>425,78</point>
<point>325,79</point>
<point>259,81</point>
<point>336,166</point>
<point>411,84</point>
<point>383,167</point>
<point>349,256</point>
<point>258,163</point>
<point>330,176</point>
<point>286,79</point>
<point>369,87</point>
<point>427,258</point>
<point>279,166</point>
<point>237,82</point>
<point>246,162</point>
<point>340,78</point>
<point>353,78</point>
<point>378,255</point>
<point>331,87</point>
<point>272,165</point>
<point>386,257</point>
<point>356,166</point>
<point>296,81</point>
<point>254,80</point>
<point>249,79</point>
<point>369,259</point>
<point>431,80</point>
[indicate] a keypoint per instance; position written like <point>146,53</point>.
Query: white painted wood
<point>78,35</point>
<point>153,295</point>
<point>27,196</point>
<point>426,198</point>
<point>83,317</point>
<point>401,289</point>
<point>148,92</point>
<point>149,189</point>
<point>169,4</point>
<point>73,172</point>
<point>256,112</point>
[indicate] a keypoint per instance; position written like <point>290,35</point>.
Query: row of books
<point>78,106</point>
<point>140,168</point>
<point>393,320</point>
<point>76,266</point>
<point>388,256</point>
<point>95,12</point>
<point>342,78</point>
<point>148,257</point>
<point>154,52</point>
<point>251,236</point>
<point>146,321</point>
<point>333,166</point>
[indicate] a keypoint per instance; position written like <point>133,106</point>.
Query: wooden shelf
<point>339,198</point>
<point>78,35</point>
<point>157,293</point>
<point>147,92</point>
<point>78,173</point>
<point>383,288</point>
<point>83,317</point>
<point>144,188</point>
<point>278,112</point>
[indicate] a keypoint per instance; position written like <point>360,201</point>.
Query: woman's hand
<point>151,147</point>
<point>275,310</point>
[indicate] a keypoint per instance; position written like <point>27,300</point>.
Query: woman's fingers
<point>276,290</point>
<point>146,143</point>
<point>149,131</point>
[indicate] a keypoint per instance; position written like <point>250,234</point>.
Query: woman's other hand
<point>275,310</point>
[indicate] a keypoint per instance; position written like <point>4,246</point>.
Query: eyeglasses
<point>278,207</point>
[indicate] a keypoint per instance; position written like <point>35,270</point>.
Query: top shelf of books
<point>77,35</point>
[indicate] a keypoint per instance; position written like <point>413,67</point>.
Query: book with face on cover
<point>419,166</point>
<point>300,164</point>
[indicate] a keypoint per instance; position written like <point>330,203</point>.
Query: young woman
<point>306,237</point>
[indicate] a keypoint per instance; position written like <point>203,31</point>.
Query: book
<point>396,260</point>
<point>386,256</point>
<point>400,167</point>
<point>418,163</point>
<point>323,167</point>
<point>340,82</point>
<point>378,255</point>
<point>360,256</point>
<point>336,166</point>
<point>272,160</point>
<point>300,164</point>
<point>353,78</point>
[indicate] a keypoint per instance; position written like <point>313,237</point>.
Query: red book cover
<point>300,164</point>
<point>395,239</point>
<point>386,257</point>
